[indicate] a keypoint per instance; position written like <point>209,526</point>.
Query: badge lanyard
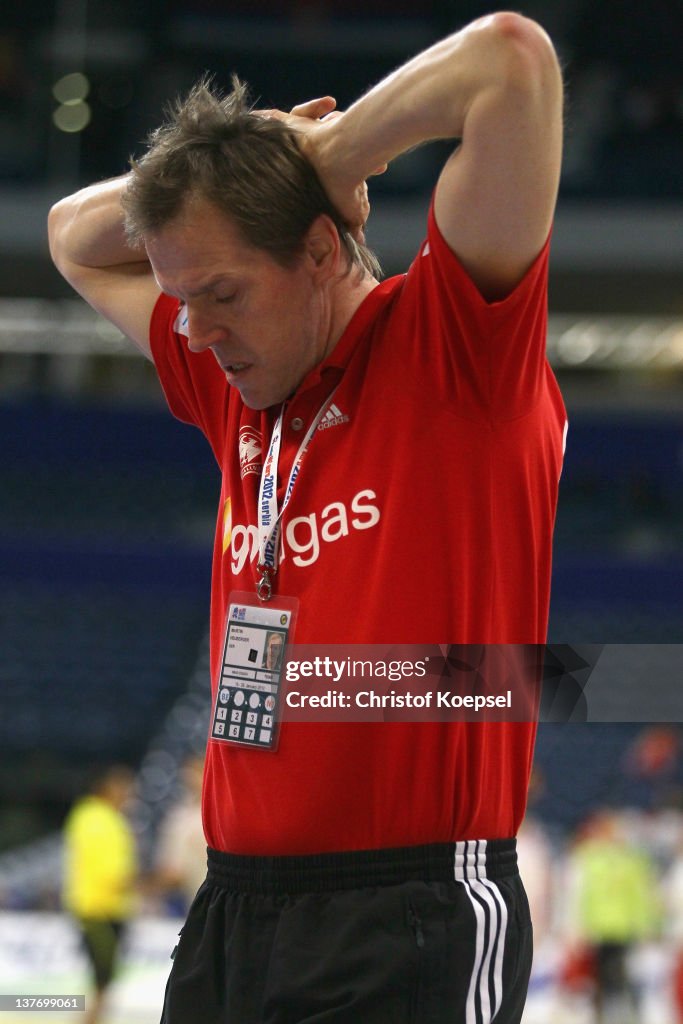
<point>269,517</point>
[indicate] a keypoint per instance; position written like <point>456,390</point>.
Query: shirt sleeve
<point>488,358</point>
<point>195,388</point>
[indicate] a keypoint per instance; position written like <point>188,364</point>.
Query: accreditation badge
<point>247,707</point>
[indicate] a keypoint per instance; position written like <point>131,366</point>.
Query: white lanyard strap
<point>269,516</point>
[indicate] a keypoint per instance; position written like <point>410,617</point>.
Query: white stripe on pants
<point>490,913</point>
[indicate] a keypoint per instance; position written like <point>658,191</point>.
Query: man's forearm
<point>430,96</point>
<point>86,229</point>
<point>89,247</point>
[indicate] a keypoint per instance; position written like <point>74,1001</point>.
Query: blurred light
<point>579,343</point>
<point>676,346</point>
<point>108,332</point>
<point>72,117</point>
<point>601,342</point>
<point>71,89</point>
<point>639,345</point>
<point>615,342</point>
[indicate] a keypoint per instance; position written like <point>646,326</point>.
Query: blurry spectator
<point>651,767</point>
<point>100,874</point>
<point>536,865</point>
<point>181,851</point>
<point>616,906</point>
<point>673,891</point>
<point>655,753</point>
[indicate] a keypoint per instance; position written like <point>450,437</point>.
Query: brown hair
<point>249,166</point>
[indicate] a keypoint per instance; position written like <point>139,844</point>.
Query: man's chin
<point>257,399</point>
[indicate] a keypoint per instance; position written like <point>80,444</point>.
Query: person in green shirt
<point>616,907</point>
<point>100,874</point>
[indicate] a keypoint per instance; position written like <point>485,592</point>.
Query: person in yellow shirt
<point>100,874</point>
<point>616,907</point>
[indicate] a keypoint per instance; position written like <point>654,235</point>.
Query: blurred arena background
<point>107,504</point>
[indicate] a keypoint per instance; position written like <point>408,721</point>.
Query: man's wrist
<point>338,159</point>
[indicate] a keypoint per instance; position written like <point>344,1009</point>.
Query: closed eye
<point>227,298</point>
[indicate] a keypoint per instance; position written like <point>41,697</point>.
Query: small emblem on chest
<point>250,450</point>
<point>333,418</point>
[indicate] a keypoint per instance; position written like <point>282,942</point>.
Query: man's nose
<point>201,333</point>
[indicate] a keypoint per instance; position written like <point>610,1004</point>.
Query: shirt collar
<point>338,359</point>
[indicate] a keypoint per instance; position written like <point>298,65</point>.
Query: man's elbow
<point>530,61</point>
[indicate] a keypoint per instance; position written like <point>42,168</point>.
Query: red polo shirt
<point>423,513</point>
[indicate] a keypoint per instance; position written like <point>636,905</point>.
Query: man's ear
<point>322,247</point>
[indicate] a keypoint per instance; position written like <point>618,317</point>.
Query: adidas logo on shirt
<point>332,418</point>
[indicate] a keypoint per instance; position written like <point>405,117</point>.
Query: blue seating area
<point>106,524</point>
<point>88,673</point>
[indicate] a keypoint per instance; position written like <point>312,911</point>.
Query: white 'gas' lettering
<point>244,538</point>
<point>335,526</point>
<point>371,511</point>
<point>311,544</point>
<point>302,535</point>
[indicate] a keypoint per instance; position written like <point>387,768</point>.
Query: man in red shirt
<point>390,454</point>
